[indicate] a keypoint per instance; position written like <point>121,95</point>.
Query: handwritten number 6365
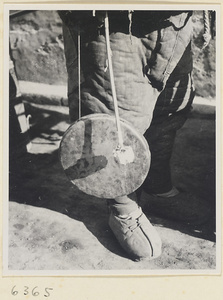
<point>34,292</point>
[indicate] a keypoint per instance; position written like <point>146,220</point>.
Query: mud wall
<point>37,48</point>
<point>204,60</point>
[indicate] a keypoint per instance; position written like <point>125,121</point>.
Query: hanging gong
<point>93,161</point>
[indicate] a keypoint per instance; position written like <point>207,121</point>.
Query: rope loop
<point>207,30</point>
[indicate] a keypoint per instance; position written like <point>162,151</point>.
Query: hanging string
<point>109,52</point>
<point>79,70</point>
<point>207,31</point>
<point>130,23</point>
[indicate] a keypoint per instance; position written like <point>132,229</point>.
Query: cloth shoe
<point>136,235</point>
<point>178,206</point>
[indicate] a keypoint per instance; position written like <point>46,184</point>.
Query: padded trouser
<point>161,137</point>
<point>144,60</point>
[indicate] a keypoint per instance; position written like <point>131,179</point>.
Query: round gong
<point>91,160</point>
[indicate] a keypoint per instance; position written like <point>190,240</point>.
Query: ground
<point>52,226</point>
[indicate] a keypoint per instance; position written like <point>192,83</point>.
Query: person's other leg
<point>160,138</point>
<point>163,198</point>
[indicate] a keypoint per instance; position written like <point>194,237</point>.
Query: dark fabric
<point>160,137</point>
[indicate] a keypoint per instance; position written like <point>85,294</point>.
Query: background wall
<point>37,47</point>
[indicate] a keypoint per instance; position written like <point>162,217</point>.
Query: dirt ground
<point>52,226</point>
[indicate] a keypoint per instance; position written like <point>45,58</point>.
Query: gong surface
<point>87,154</point>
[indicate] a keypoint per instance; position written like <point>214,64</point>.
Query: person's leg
<point>160,138</point>
<point>130,226</point>
<point>170,113</point>
<point>158,191</point>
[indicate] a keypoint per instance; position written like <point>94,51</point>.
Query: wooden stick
<point>120,138</point>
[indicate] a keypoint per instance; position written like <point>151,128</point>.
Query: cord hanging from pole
<point>79,70</point>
